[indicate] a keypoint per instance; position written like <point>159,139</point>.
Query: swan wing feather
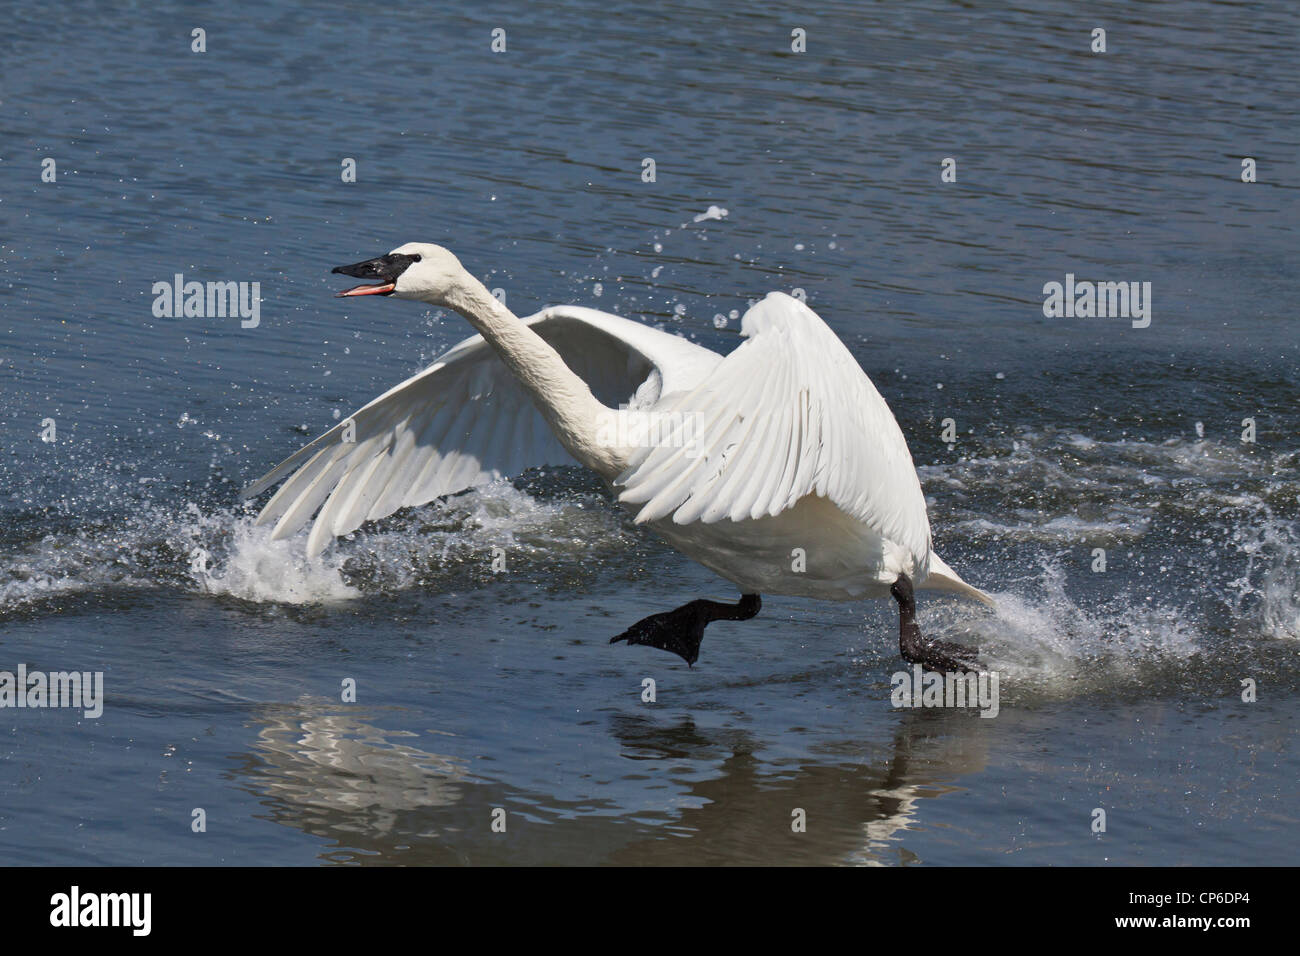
<point>789,413</point>
<point>465,421</point>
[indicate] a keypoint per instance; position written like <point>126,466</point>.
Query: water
<point>1120,689</point>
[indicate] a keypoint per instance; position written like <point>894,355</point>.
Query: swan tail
<point>944,578</point>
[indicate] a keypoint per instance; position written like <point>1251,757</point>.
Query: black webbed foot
<point>681,630</point>
<point>942,656</point>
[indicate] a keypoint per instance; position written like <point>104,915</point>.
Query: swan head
<point>417,270</point>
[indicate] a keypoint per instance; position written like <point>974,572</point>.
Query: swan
<point>778,466</point>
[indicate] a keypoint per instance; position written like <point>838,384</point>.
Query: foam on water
<point>1271,576</point>
<point>217,551</point>
<point>252,567</point>
<point>221,550</point>
<point>1203,568</point>
<point>1043,636</point>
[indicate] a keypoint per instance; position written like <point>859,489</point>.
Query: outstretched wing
<point>789,413</point>
<point>465,421</point>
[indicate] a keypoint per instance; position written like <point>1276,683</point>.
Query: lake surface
<point>1120,689</point>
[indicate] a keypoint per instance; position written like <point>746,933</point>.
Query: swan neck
<point>563,398</point>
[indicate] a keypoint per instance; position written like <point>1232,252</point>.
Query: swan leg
<point>681,630</point>
<point>933,655</point>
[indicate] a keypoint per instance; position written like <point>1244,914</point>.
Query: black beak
<point>386,269</point>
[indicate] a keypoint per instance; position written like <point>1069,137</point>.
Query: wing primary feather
<point>288,492</point>
<point>311,497</point>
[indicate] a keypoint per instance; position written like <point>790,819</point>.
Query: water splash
<point>1270,582</point>
<point>1045,636</point>
<point>220,550</point>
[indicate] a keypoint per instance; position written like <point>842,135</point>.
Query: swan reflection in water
<point>689,795</point>
<point>330,772</point>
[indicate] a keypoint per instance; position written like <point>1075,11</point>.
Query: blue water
<point>1120,690</point>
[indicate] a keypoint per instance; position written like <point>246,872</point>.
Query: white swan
<point>778,466</point>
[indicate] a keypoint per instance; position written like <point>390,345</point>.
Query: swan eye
<point>415,258</point>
